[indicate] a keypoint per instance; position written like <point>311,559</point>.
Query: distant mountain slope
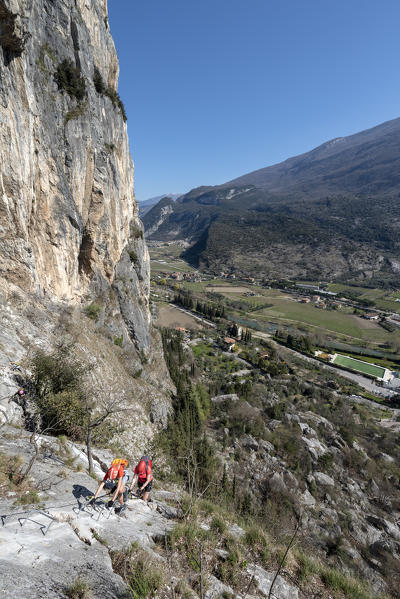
<point>366,162</point>
<point>332,212</point>
<point>146,205</point>
<point>156,215</point>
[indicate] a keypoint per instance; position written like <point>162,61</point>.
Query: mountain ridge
<point>325,150</point>
<point>331,212</point>
<point>146,205</point>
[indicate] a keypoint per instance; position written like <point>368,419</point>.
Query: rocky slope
<point>295,446</point>
<point>70,235</point>
<point>157,214</point>
<point>56,544</point>
<point>146,205</point>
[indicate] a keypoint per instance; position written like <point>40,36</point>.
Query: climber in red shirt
<point>144,477</point>
<point>115,478</point>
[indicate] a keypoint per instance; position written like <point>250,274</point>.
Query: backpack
<point>143,466</point>
<point>119,461</point>
<point>113,471</point>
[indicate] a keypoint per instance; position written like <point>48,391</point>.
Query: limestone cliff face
<point>69,227</point>
<point>66,182</point>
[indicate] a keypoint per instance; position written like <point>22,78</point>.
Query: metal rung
<point>82,507</point>
<point>43,527</point>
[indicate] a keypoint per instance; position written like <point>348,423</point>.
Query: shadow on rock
<point>79,491</point>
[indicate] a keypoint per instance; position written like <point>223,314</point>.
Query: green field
<point>284,309</point>
<point>275,307</point>
<point>359,366</point>
<point>289,311</point>
<point>383,299</point>
<point>170,266</point>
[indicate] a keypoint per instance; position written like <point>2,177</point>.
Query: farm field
<point>284,309</point>
<point>228,289</point>
<point>161,265</point>
<point>384,300</point>
<point>359,366</point>
<point>169,316</point>
<point>271,308</point>
<point>342,323</point>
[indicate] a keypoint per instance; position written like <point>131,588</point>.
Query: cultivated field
<point>274,308</point>
<point>330,321</point>
<point>171,317</point>
<point>359,366</point>
<point>228,289</point>
<point>283,309</point>
<point>161,265</point>
<point>363,323</point>
<point>384,300</point>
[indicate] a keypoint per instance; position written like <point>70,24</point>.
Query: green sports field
<point>359,366</point>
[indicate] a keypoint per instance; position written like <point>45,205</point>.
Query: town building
<point>371,316</point>
<point>229,343</point>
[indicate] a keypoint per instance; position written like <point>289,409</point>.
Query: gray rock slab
<point>263,579</point>
<point>216,588</point>
<point>267,446</point>
<point>41,566</point>
<point>236,531</point>
<point>166,495</point>
<point>277,484</point>
<point>221,398</point>
<point>168,511</point>
<point>307,499</point>
<point>315,447</point>
<point>249,442</point>
<point>323,479</point>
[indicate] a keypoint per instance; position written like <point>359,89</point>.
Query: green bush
<point>144,581</point>
<point>277,410</point>
<point>218,524</point>
<point>59,391</point>
<point>187,535</point>
<point>92,311</point>
<point>75,113</point>
<point>98,82</point>
<point>142,575</point>
<point>118,340</point>
<point>70,80</point>
<point>307,566</point>
<point>325,462</point>
<point>45,50</point>
<point>230,571</point>
<point>29,498</point>
<point>116,101</point>
<point>111,93</point>
<point>63,413</point>
<point>336,581</point>
<point>255,537</point>
<point>137,233</point>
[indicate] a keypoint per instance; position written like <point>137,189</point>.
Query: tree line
<point>212,311</point>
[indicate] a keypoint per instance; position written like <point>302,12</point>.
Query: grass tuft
<point>78,590</point>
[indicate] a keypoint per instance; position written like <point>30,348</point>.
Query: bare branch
<point>296,530</point>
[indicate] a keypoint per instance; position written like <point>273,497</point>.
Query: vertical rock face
<point>67,207</point>
<point>67,177</point>
<point>69,227</point>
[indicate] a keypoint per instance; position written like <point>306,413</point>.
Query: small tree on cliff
<point>69,399</point>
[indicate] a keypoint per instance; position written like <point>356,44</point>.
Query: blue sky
<point>214,89</point>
